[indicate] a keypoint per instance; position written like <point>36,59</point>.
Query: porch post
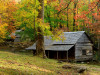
<point>67,54</point>
<point>48,54</point>
<point>57,54</point>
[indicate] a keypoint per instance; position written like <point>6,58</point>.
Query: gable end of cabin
<point>83,48</point>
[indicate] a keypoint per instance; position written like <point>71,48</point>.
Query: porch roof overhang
<point>54,47</point>
<point>59,47</point>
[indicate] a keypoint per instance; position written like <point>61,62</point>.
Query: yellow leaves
<point>45,27</point>
<point>42,25</point>
<point>39,7</point>
<point>3,31</point>
<point>58,35</point>
<point>2,8</point>
<point>55,3</point>
<point>17,1</point>
<point>45,1</point>
<point>17,24</point>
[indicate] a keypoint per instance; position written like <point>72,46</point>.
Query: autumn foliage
<point>90,18</point>
<point>6,18</point>
<point>59,16</point>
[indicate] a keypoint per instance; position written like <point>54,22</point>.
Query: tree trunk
<point>75,4</point>
<point>67,19</point>
<point>98,7</point>
<point>40,38</point>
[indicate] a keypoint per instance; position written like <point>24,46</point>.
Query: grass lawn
<point>24,63</point>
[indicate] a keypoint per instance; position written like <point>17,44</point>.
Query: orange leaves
<point>58,9</point>
<point>76,17</point>
<point>11,8</point>
<point>89,17</point>
<point>12,35</point>
<point>81,16</point>
<point>50,1</point>
<point>6,17</point>
<point>97,24</point>
<point>96,16</point>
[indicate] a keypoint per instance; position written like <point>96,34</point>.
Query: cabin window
<point>83,52</point>
<point>89,52</point>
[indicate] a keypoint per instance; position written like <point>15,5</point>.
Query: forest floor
<point>24,63</point>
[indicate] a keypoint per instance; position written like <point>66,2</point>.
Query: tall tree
<point>30,18</point>
<point>98,13</point>
<point>74,13</point>
<point>40,38</point>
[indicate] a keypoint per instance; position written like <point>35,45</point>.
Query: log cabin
<point>77,46</point>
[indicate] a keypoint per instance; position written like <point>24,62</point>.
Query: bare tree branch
<point>64,8</point>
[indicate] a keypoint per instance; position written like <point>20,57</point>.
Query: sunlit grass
<point>24,63</point>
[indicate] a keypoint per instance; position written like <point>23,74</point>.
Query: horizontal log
<point>79,69</point>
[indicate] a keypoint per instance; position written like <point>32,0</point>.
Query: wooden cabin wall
<point>83,44</point>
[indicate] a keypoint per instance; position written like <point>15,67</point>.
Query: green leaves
<point>27,18</point>
<point>56,20</point>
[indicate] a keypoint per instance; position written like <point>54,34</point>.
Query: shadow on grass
<point>9,71</point>
<point>94,63</point>
<point>17,51</point>
<point>90,63</point>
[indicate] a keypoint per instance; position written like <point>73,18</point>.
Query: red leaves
<point>82,18</point>
<point>58,9</point>
<point>94,14</point>
<point>76,17</point>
